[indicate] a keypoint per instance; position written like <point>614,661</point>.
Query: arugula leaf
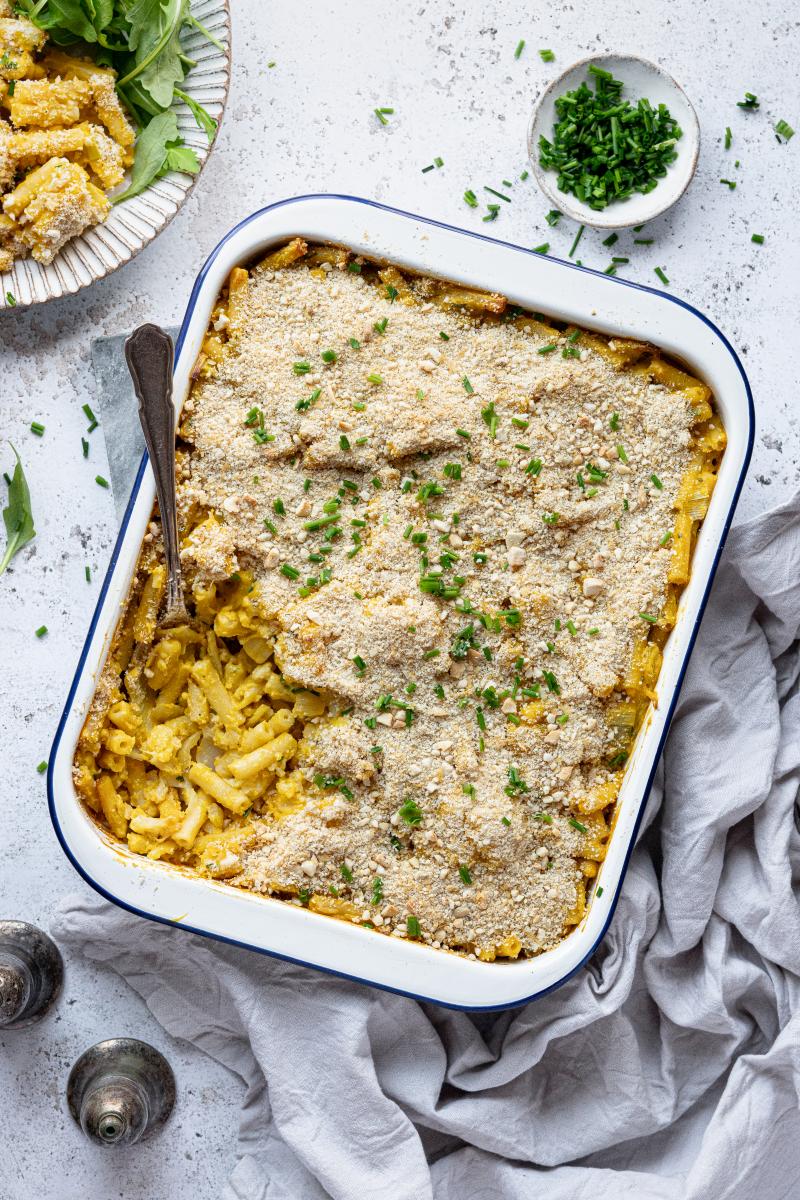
<point>181,158</point>
<point>17,517</point>
<point>159,60</point>
<point>204,119</point>
<point>158,150</point>
<point>151,153</point>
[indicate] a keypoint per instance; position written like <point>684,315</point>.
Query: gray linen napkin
<point>668,1069</point>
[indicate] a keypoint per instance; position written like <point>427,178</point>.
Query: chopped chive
<point>463,433</point>
<point>729,183</point>
<point>374,379</point>
<point>41,631</point>
<point>576,824</point>
<point>444,336</point>
<point>279,507</point>
<point>382,113</point>
<point>784,130</point>
<point>465,874</point>
<point>37,428</point>
<point>598,891</point>
<point>611,240</point>
<point>547,349</point>
<point>468,388</point>
<point>758,238</point>
<point>651,620</point>
<point>578,237</point>
<point>543,249</point>
<point>657,482</point>
<point>553,217</point>
<point>614,422</point>
<point>426,169</point>
<point>42,767</point>
<point>412,927</point>
<point>661,274</point>
<point>728,137</point>
<point>621,455</point>
<point>289,572</point>
<point>329,356</point>
<point>301,368</point>
<point>85,447</point>
<point>101,481</point>
<point>663,541</point>
<point>750,101</point>
<point>87,571</point>
<point>470,198</point>
<point>499,195</point>
<point>520,48</point>
<point>547,56</point>
<point>438,162</point>
<point>11,300</point>
<point>643,241</point>
<point>524,176</point>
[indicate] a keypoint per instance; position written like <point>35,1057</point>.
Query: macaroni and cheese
<point>433,547</point>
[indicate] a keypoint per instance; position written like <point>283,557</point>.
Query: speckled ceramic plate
<point>134,223</point>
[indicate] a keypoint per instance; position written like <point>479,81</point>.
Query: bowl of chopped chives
<point>613,141</point>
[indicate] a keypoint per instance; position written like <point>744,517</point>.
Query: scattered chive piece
<point>438,162</point>
<point>42,767</point>
<point>37,428</point>
<point>465,875</point>
<point>468,388</point>
<point>373,378</point>
<point>88,574</point>
<point>499,195</point>
<point>784,130</point>
<point>643,241</point>
<point>346,873</point>
<point>663,541</point>
<point>750,101</point>
<point>101,481</point>
<point>547,349</point>
<point>578,237</point>
<point>543,249</point>
<point>301,368</point>
<point>553,217</point>
<point>620,260</point>
<point>279,507</point>
<point>657,482</point>
<point>614,422</point>
<point>412,926</point>
<point>520,48</point>
<point>382,114</point>
<point>41,631</point>
<point>11,300</point>
<point>610,269</point>
<point>329,356</point>
<point>524,176</point>
<point>289,572</point>
<point>444,336</point>
<point>661,274</point>
<point>547,56</point>
<point>651,620</point>
<point>730,183</point>
<point>598,891</point>
<point>728,137</point>
<point>621,455</point>
<point>505,820</point>
<point>426,169</point>
<point>758,238</point>
<point>90,417</point>
<point>611,240</point>
<point>470,198</point>
<point>576,824</point>
<point>85,447</point>
<point>344,443</point>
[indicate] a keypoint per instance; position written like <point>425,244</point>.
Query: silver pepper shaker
<point>31,974</point>
<point>120,1091</point>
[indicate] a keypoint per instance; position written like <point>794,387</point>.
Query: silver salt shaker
<point>120,1091</point>
<point>31,974</point>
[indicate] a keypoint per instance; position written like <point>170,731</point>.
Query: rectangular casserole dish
<point>535,283</point>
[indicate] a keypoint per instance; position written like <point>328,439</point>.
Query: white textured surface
<point>307,125</point>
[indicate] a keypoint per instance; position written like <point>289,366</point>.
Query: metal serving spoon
<point>150,355</point>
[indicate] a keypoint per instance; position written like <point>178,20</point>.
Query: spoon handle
<point>150,356</point>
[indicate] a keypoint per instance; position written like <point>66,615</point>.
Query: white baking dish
<point>542,284</point>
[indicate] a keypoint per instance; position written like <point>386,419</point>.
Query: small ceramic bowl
<point>641,78</point>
